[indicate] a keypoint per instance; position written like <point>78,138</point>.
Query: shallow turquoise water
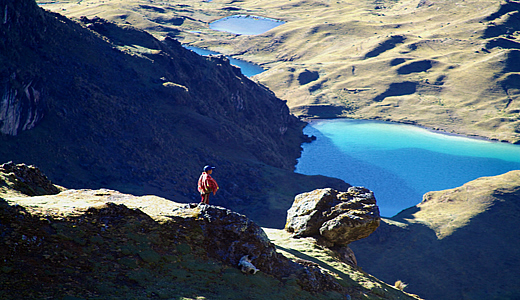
<point>400,162</point>
<point>245,24</point>
<point>247,68</point>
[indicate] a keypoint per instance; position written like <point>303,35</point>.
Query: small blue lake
<point>247,68</point>
<point>400,162</point>
<point>245,24</point>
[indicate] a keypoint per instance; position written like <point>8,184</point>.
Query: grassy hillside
<point>447,65</point>
<point>460,243</point>
<point>306,250</point>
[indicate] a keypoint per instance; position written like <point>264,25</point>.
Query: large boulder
<point>338,217</point>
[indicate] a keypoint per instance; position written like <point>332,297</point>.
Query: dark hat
<point>208,167</point>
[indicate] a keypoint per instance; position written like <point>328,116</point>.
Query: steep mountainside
<point>98,105</point>
<point>457,244</point>
<point>451,65</point>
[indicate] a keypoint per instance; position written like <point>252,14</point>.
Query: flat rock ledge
<point>338,218</point>
<point>83,219</point>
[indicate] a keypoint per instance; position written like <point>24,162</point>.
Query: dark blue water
<point>245,24</point>
<point>399,162</point>
<point>247,68</point>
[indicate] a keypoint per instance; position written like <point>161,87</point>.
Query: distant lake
<point>247,68</point>
<point>398,162</point>
<point>245,24</point>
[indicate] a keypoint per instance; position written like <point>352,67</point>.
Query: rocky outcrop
<point>45,237</point>
<point>229,236</point>
<point>28,180</point>
<point>68,230</point>
<point>103,244</point>
<point>338,217</point>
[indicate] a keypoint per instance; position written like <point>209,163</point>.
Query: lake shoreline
<point>243,24</point>
<point>247,68</point>
<point>399,161</point>
<point>413,123</point>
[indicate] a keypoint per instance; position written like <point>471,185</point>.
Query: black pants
<point>204,198</point>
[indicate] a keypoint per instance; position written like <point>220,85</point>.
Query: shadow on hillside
<point>502,43</point>
<point>121,36</point>
<point>478,261</point>
<point>509,12</point>
<point>416,67</point>
<point>398,89</point>
<point>385,46</point>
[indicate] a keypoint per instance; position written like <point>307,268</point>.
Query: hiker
<point>207,184</point>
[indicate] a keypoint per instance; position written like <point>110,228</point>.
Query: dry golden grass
<point>449,210</point>
<point>432,63</point>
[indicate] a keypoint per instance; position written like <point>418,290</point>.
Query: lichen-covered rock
<point>338,217</point>
<point>228,235</point>
<point>303,218</point>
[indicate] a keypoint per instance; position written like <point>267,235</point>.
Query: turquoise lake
<point>398,162</point>
<point>245,24</point>
<point>247,68</point>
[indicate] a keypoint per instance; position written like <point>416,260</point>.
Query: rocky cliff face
<point>20,111</point>
<point>99,105</point>
<point>22,101</point>
<point>87,244</point>
<point>460,243</point>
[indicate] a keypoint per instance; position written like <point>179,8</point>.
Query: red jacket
<point>207,184</point>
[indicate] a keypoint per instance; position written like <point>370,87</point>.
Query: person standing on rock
<point>207,184</point>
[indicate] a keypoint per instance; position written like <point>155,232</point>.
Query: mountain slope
<point>98,105</point>
<point>103,244</point>
<point>460,243</point>
<point>447,65</point>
